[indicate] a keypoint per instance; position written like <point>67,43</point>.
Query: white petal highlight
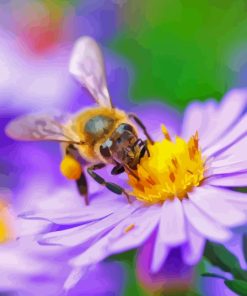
<point>237,167</point>
<point>235,134</point>
<point>81,234</point>
<point>231,180</point>
<point>172,225</point>
<point>234,154</point>
<point>86,214</point>
<point>206,226</point>
<point>133,231</point>
<point>160,254</point>
<point>196,118</point>
<point>236,199</point>
<point>231,108</point>
<point>207,200</point>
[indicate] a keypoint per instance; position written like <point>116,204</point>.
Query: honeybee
<point>99,135</point>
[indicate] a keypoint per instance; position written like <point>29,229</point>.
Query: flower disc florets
<point>172,170</point>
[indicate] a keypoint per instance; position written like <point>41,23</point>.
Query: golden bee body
<point>100,134</point>
<point>94,126</point>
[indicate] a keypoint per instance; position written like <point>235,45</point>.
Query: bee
<point>99,135</point>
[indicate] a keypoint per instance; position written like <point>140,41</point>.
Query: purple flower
<point>30,269</point>
<point>23,263</point>
<point>183,196</point>
<point>28,83</point>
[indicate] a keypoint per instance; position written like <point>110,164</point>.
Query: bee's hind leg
<point>141,125</point>
<point>83,187</point>
<point>81,183</point>
<point>110,186</point>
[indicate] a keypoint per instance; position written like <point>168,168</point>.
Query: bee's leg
<point>141,125</point>
<point>146,148</point>
<point>110,186</point>
<point>83,187</point>
<point>81,183</point>
<point>118,169</point>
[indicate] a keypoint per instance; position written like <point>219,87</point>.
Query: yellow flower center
<point>6,223</point>
<point>171,170</point>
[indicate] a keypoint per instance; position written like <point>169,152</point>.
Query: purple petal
<point>82,234</point>
<point>231,180</point>
<point>73,278</point>
<point>229,111</point>
<point>27,227</point>
<point>233,154</point>
<point>63,200</point>
<point>196,118</point>
<point>24,264</point>
<point>172,225</point>
<point>236,199</point>
<point>160,254</point>
<point>192,251</point>
<point>89,213</point>
<point>207,200</point>
<point>206,226</point>
<point>237,167</point>
<point>117,241</point>
<point>232,137</point>
<point>144,222</point>
<point>94,254</point>
<point>69,209</point>
<point>103,279</point>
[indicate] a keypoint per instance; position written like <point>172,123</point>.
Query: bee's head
<point>124,146</point>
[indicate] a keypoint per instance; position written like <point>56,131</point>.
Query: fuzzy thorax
<point>173,169</point>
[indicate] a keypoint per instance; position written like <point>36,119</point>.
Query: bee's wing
<point>40,128</point>
<point>87,66</point>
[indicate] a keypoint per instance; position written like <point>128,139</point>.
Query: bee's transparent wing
<point>87,66</point>
<point>40,128</point>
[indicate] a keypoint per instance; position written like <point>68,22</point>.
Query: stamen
<point>129,228</point>
<point>165,132</point>
<point>175,162</point>
<point>172,177</point>
<point>196,140</point>
<point>173,169</point>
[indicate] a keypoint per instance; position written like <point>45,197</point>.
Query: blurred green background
<point>182,50</point>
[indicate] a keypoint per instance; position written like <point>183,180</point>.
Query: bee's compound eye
<point>124,127</point>
<point>128,127</point>
<point>105,151</point>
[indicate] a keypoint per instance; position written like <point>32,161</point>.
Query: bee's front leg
<point>110,186</point>
<point>141,125</point>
